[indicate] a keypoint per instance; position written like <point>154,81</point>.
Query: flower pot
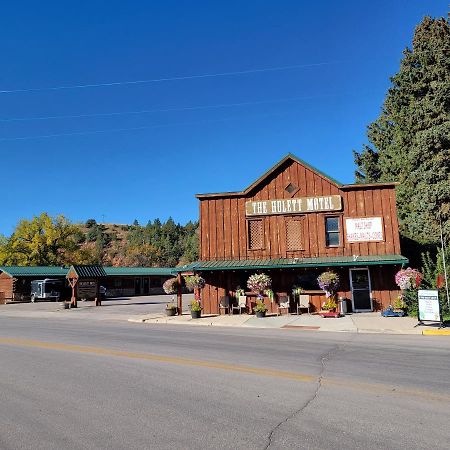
<point>260,314</point>
<point>171,311</point>
<point>196,314</point>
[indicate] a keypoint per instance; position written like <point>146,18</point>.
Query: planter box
<point>196,314</point>
<point>330,314</point>
<point>171,311</point>
<point>260,314</point>
<point>390,313</point>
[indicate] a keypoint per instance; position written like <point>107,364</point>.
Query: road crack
<point>323,360</point>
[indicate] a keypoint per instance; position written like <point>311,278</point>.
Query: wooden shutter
<point>294,234</point>
<point>255,234</point>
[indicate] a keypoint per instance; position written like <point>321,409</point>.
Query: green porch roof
<point>138,271</point>
<point>291,263</point>
<point>35,271</point>
<point>92,271</point>
<point>85,271</point>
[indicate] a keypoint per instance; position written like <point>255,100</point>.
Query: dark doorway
<point>145,286</point>
<point>137,286</point>
<point>361,290</point>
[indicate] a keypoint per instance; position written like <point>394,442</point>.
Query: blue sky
<point>197,134</point>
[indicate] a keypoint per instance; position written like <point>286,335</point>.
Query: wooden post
<point>98,298</point>
<point>180,294</point>
<point>73,300</point>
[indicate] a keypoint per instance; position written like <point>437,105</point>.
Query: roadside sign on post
<point>429,308</point>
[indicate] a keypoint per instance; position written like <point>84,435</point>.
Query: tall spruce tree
<point>410,140</point>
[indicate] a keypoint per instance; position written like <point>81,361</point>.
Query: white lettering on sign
<point>294,205</point>
<point>364,229</point>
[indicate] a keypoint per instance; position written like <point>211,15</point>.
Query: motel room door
<point>137,286</point>
<point>361,290</point>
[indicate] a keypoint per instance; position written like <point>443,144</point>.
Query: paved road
<point>111,309</point>
<point>73,384</point>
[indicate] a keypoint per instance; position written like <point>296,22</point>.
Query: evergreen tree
<point>410,141</point>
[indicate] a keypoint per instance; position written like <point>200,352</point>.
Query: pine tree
<point>410,141</point>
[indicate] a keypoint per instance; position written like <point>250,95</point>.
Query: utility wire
<point>157,80</point>
<point>148,111</point>
<point>113,130</point>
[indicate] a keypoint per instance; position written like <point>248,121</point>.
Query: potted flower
<point>397,309</point>
<point>329,283</point>
<point>270,294</point>
<point>194,282</point>
<point>330,305</point>
<point>196,309</point>
<point>399,304</point>
<point>170,286</point>
<point>296,291</point>
<point>408,280</point>
<point>171,309</point>
<point>259,283</point>
<point>260,308</point>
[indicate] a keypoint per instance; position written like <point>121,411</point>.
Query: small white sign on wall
<point>364,229</point>
<point>429,305</point>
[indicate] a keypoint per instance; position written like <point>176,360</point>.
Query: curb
<point>436,332</point>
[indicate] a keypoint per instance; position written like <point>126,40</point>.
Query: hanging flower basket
<point>170,286</point>
<point>408,279</point>
<point>258,283</point>
<point>329,283</point>
<point>194,282</point>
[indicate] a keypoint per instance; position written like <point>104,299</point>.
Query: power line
<point>148,111</point>
<point>114,130</point>
<point>157,80</point>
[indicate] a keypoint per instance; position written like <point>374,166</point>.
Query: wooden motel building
<point>15,281</point>
<point>294,223</point>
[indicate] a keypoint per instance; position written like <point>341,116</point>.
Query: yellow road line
<point>374,388</point>
<point>436,332</point>
<point>158,358</point>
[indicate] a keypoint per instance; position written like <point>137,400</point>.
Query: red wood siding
<point>6,285</point>
<point>223,225</point>
<point>384,289</point>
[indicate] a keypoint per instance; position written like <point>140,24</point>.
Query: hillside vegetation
<point>46,240</point>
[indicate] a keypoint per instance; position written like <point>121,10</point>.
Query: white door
<point>361,290</point>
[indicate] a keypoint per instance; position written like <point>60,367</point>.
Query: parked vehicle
<point>47,289</point>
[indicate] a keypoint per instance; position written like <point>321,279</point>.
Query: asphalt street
<point>109,384</point>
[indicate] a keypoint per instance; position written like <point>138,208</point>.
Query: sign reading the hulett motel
<point>364,229</point>
<point>293,205</point>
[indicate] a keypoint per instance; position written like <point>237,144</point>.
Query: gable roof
<point>290,157</point>
<point>86,272</point>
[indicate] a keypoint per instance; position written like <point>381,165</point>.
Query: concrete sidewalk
<point>354,323</point>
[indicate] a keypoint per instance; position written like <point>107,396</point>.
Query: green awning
<point>292,263</point>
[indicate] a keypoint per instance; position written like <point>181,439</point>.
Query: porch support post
<point>73,300</point>
<point>180,294</point>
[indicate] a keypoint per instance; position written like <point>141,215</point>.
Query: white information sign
<point>429,305</point>
<point>364,229</point>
